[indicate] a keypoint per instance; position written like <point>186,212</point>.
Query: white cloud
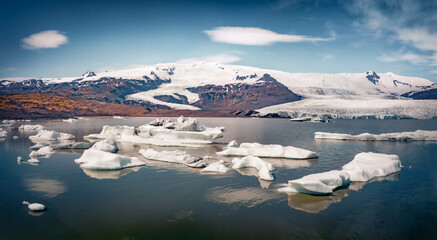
<point>328,57</point>
<point>222,58</point>
<point>410,57</point>
<point>45,39</point>
<point>255,36</point>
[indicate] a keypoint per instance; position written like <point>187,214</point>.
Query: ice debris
<point>51,136</point>
<point>176,156</point>
<point>39,145</point>
<point>218,166</point>
<point>272,151</point>
<point>419,135</point>
<point>72,145</point>
<point>263,167</point>
<point>36,207</point>
<point>183,132</point>
<point>364,167</point>
<point>30,128</point>
<point>70,120</point>
<point>101,160</point>
<point>107,145</point>
<point>44,151</point>
<point>3,133</point>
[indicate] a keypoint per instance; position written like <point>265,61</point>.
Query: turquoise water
<point>168,201</point>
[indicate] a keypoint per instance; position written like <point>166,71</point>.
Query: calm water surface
<point>168,201</point>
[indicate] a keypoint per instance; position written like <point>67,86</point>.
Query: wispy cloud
<point>45,39</point>
<point>410,22</point>
<point>253,36</point>
<point>409,57</point>
<point>7,69</point>
<point>328,57</point>
<point>222,58</point>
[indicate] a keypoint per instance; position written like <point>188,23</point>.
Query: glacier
<point>268,151</point>
<point>419,135</point>
<point>364,167</point>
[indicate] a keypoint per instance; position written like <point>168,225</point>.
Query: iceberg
<point>218,166</point>
<point>419,135</point>
<point>268,151</point>
<point>107,145</point>
<point>101,160</point>
<point>44,151</point>
<point>30,128</point>
<point>3,133</point>
<point>184,132</point>
<point>263,167</point>
<point>364,167</point>
<point>34,206</point>
<point>176,156</point>
<point>39,145</point>
<point>33,161</point>
<point>70,120</point>
<point>73,145</point>
<point>51,136</point>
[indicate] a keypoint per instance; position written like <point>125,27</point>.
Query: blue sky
<point>66,38</point>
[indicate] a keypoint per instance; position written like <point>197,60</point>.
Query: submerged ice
<point>272,151</point>
<point>364,167</point>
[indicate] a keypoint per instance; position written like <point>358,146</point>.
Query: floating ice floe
<point>101,160</point>
<point>73,145</point>
<point>70,120</point>
<point>364,167</point>
<point>179,157</point>
<point>30,128</point>
<point>117,117</point>
<point>36,207</point>
<point>15,137</point>
<point>3,133</point>
<point>272,151</point>
<point>39,145</point>
<point>44,151</point>
<point>33,161</point>
<point>51,136</point>
<point>183,132</point>
<point>107,145</point>
<point>263,167</point>
<point>218,166</point>
<point>419,135</point>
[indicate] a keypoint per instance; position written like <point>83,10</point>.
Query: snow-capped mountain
<point>217,87</point>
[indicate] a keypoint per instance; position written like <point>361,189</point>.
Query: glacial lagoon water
<point>169,201</point>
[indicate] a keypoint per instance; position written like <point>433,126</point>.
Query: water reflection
<point>246,197</point>
<point>114,174</point>
<point>48,188</point>
<point>315,204</point>
<point>254,172</point>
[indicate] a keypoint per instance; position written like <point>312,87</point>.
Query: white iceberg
<point>364,167</point>
<point>184,132</point>
<point>39,145</point>
<point>263,167</point>
<point>218,166</point>
<point>51,136</point>
<point>44,151</point>
<point>30,128</point>
<point>72,145</point>
<point>319,183</point>
<point>3,133</point>
<point>70,120</point>
<point>117,117</point>
<point>101,160</point>
<point>179,157</point>
<point>233,143</point>
<point>419,135</point>
<point>33,161</point>
<point>269,151</point>
<point>34,206</point>
<point>107,145</point>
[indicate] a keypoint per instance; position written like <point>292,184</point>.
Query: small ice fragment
<point>233,143</point>
<point>36,207</point>
<point>216,167</point>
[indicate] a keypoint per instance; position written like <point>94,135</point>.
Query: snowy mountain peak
<point>88,73</point>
